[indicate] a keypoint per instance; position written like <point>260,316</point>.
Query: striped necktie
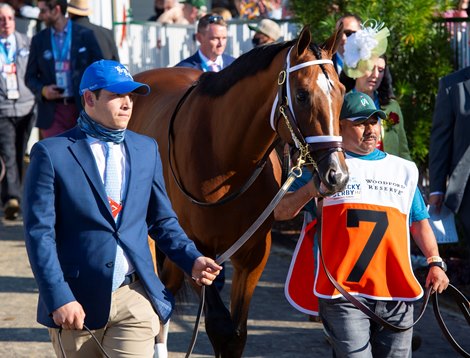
<point>214,67</point>
<point>113,189</point>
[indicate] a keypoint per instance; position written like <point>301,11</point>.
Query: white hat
<point>268,28</point>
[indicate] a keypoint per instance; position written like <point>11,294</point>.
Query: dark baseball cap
<point>111,76</point>
<point>358,106</point>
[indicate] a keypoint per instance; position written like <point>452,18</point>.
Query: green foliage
<point>418,52</point>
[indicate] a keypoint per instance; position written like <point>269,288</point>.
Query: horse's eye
<point>301,96</point>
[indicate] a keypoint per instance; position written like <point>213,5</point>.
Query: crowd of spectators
<point>179,12</point>
<point>36,92</point>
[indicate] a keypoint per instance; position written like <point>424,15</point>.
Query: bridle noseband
<point>283,102</point>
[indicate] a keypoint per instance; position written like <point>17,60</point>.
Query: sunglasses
<point>214,19</point>
<point>348,32</point>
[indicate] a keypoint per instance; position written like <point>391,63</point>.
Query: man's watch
<point>440,264</point>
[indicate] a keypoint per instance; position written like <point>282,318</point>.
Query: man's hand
<point>69,316</point>
<point>437,279</point>
<point>205,270</point>
<point>436,200</point>
<point>51,92</point>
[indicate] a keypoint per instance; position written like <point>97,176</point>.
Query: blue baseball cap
<point>111,76</point>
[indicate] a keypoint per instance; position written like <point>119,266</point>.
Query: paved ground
<point>275,328</point>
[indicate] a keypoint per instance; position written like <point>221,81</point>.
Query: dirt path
<point>275,328</point>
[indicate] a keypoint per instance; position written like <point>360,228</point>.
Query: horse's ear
<point>331,45</point>
<point>303,41</point>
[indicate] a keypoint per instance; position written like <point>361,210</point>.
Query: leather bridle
<point>283,104</point>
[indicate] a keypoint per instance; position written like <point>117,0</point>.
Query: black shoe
<point>12,209</point>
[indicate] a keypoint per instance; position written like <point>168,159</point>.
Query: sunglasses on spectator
<point>214,18</point>
<point>348,32</point>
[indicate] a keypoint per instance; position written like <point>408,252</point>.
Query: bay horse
<point>213,129</point>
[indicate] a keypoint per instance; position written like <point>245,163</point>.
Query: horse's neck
<point>244,130</point>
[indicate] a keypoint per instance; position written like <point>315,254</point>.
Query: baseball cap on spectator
<point>79,7</point>
<point>200,4</point>
<point>359,107</point>
<point>111,76</point>
<point>267,27</point>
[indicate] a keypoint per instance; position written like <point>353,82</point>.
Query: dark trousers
<point>463,215</point>
<point>14,136</point>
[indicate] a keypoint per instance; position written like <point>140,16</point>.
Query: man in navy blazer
<point>59,101</point>
<point>212,36</point>
<point>75,230</point>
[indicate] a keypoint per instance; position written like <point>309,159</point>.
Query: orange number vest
<point>365,232</point>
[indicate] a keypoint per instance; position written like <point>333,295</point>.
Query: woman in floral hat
<point>368,72</point>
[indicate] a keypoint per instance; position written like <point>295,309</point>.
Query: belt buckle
<point>128,279</point>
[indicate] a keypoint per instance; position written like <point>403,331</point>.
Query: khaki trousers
<point>130,331</point>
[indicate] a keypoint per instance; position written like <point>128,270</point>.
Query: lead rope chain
<point>304,150</point>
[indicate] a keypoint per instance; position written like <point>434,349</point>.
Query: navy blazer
<point>41,67</point>
<point>195,61</point>
<point>71,236</point>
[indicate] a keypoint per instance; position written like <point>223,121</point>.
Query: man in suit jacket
<point>449,152</point>
<point>17,113</point>
<point>59,55</point>
<point>351,24</point>
<point>212,36</point>
<point>88,248</point>
<point>79,10</point>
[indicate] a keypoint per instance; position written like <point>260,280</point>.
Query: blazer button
<point>110,264</point>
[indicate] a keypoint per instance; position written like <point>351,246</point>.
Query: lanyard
<point>64,51</point>
<point>8,55</point>
<point>204,66</point>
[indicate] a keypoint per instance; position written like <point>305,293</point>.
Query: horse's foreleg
<point>218,322</point>
<point>248,266</point>
<point>172,277</point>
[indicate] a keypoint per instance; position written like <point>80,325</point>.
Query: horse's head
<point>309,103</point>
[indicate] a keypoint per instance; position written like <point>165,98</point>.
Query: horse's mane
<point>248,64</point>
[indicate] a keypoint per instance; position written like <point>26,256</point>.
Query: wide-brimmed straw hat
<point>79,7</point>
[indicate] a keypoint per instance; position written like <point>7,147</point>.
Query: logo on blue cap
<point>111,76</point>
